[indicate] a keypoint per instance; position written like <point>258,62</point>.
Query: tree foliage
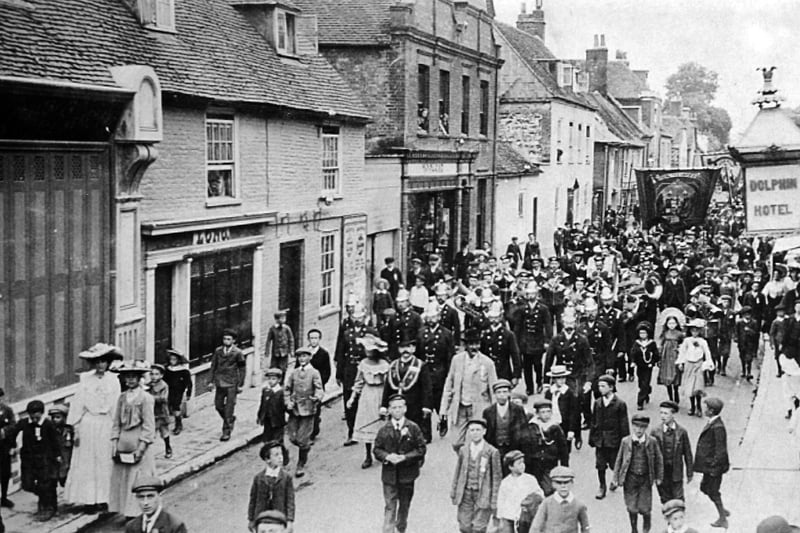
<point>697,86</point>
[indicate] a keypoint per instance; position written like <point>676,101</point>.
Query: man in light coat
<point>468,388</point>
<point>303,395</point>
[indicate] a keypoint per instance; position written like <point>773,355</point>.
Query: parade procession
<point>399,266</point>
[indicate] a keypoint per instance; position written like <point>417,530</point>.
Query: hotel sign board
<point>772,198</point>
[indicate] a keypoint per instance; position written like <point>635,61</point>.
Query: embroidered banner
<point>676,198</point>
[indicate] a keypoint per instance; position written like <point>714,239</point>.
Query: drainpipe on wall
<point>493,232</point>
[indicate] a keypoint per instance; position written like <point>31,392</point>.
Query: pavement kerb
<point>190,468</point>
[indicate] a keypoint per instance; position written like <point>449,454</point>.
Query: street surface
<point>337,496</point>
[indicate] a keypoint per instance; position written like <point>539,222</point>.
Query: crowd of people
<point>514,359</point>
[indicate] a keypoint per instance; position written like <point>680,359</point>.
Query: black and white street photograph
<point>399,266</point>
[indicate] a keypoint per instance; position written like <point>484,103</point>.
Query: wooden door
<point>163,313</point>
<point>55,297</point>
<point>290,286</point>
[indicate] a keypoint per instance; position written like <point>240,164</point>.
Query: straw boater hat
<point>101,350</point>
<point>696,323</point>
<point>133,367</point>
<point>558,371</point>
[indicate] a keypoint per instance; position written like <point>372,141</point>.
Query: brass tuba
<point>653,286</point>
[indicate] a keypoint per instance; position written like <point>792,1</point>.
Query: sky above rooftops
<point>731,37</point>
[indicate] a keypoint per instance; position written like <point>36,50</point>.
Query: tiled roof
<point>350,22</point>
<point>623,83</point>
<point>618,123</point>
<point>510,161</point>
<point>536,55</point>
<point>215,53</point>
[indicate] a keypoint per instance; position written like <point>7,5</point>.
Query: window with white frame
<point>330,159</point>
<point>521,205</point>
<point>285,36</point>
<point>327,269</point>
<point>220,157</point>
<point>158,14</point>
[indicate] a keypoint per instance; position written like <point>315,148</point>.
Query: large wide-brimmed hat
<point>696,323</point>
<point>101,350</point>
<point>133,367</point>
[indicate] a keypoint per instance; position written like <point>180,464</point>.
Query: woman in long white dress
<point>91,414</point>
<point>694,357</point>
<point>367,394</point>
<point>132,433</point>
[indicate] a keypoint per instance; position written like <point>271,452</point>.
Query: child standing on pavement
<point>66,438</point>
<point>179,380</point>
<point>561,511</point>
<point>303,395</point>
<point>160,392</point>
<point>644,354</point>
<point>272,488</point>
<point>272,409</point>
<point>776,333</point>
<point>280,342</point>
<point>747,337</point>
<point>514,488</point>
<point>40,457</point>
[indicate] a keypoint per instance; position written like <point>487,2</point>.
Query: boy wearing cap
<point>272,407</point>
<point>400,448</point>
<point>227,377</point>
<point>280,342</point>
<point>66,438</point>
<point>676,450</point>
<point>545,444</point>
<point>514,488</point>
<point>609,426</point>
<point>270,522</point>
<point>561,512</point>
<point>674,512</point>
<point>160,392</point>
<point>272,488</point>
<point>40,457</point>
<point>777,331</point>
<point>147,491</point>
<point>711,457</point>
<point>303,396</point>
<point>505,421</point>
<point>392,275</point>
<point>747,337</point>
<point>639,464</point>
<point>477,480</point>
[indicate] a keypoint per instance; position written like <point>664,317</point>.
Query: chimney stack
<point>642,75</point>
<point>597,65</point>
<point>533,22</point>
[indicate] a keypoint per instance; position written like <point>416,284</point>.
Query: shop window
<point>484,115</point>
<point>286,40</point>
<point>327,269</point>
<point>465,88</point>
<point>220,157</point>
<point>330,159</point>
<point>221,297</point>
<point>423,98</point>
<point>444,102</point>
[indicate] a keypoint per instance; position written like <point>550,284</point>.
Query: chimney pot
<point>532,23</point>
<point>524,9</point>
<point>602,40</point>
<point>596,41</point>
<point>538,4</point>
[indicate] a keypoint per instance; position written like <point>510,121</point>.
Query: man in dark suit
<point>393,276</point>
<point>571,349</point>
<point>674,294</point>
<point>448,316</point>
<point>791,336</point>
<point>504,420</point>
<point>609,426</point>
<point>500,345</point>
<point>531,250</point>
<point>227,377</point>
<point>147,490</point>
<point>711,457</point>
<point>321,360</point>
<point>435,348</point>
<point>676,449</point>
<point>410,377</point>
<point>533,329</point>
<point>400,447</point>
<point>513,250</point>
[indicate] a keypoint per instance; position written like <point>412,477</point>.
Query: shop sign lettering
<point>211,236</point>
<point>772,198</point>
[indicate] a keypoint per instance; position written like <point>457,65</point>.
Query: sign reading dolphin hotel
<point>772,198</point>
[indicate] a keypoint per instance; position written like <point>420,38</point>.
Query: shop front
<point>437,204</point>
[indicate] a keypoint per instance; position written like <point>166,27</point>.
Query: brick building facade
<point>168,174</point>
<point>427,73</point>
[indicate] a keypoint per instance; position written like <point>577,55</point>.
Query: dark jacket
<point>609,424</point>
<point>179,381</point>
<point>40,457</point>
<point>500,346</point>
<point>435,348</point>
<point>488,483</point>
<point>711,456</point>
<point>644,356</point>
<point>271,495</point>
<point>517,420</point>
<point>655,461</point>
<point>7,418</point>
<point>272,409</point>
<point>681,453</point>
<point>322,362</point>
<point>570,411</point>
<point>165,523</point>
<point>544,448</point>
<point>599,337</point>
<point>395,279</point>
<point>791,338</point>
<point>574,353</point>
<point>227,370</point>
<point>413,381</point>
<point>674,294</point>
<point>533,327</point>
<point>410,443</point>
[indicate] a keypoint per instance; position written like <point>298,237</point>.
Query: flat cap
<point>669,404</point>
<point>672,507</point>
<point>512,457</point>
<point>58,408</point>
<point>519,395</point>
<point>276,372</point>
<point>395,396</point>
<point>640,420</point>
<point>776,524</point>
<point>562,473</point>
<point>542,404</point>
<point>147,483</point>
<point>502,384</point>
<point>609,380</point>
<point>479,421</point>
<point>271,517</point>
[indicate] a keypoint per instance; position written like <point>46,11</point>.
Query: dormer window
<point>286,38</point>
<point>566,75</point>
<point>157,14</point>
